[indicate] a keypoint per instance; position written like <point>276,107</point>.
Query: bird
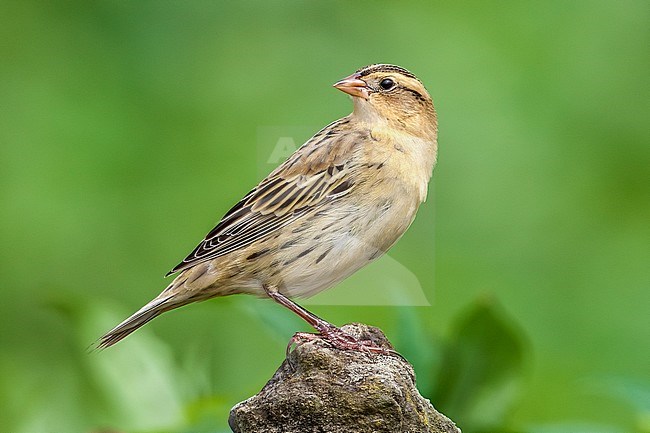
<point>341,201</point>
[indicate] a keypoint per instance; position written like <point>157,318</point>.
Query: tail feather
<point>139,318</point>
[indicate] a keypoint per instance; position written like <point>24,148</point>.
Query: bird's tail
<point>153,309</point>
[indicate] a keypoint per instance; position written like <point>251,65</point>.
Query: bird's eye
<point>387,84</point>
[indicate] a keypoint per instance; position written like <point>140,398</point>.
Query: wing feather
<point>291,191</point>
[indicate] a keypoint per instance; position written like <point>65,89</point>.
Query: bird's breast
<point>401,162</point>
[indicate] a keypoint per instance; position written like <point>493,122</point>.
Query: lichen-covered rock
<point>326,390</point>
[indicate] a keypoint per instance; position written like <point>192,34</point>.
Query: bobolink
<point>338,203</point>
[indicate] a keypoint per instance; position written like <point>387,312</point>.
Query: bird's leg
<point>330,333</point>
<point>321,325</point>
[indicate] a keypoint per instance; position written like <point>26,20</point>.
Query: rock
<point>326,390</point>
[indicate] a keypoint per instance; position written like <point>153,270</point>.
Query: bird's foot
<point>339,339</point>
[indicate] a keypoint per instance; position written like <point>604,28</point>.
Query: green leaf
<point>422,350</point>
<point>480,376</point>
<point>134,385</point>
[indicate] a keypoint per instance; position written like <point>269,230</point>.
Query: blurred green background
<point>128,128</point>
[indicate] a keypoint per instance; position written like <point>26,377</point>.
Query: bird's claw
<point>339,339</point>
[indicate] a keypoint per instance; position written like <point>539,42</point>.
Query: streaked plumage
<point>339,202</point>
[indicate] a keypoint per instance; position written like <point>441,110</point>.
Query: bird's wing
<point>314,174</point>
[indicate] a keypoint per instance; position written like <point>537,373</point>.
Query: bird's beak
<point>354,86</point>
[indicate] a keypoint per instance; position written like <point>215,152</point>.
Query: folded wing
<point>282,198</point>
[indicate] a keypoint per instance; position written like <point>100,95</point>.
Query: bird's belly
<point>340,259</point>
<point>339,242</point>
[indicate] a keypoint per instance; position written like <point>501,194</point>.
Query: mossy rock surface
<point>326,390</point>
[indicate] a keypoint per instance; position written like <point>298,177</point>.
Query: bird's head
<point>391,94</point>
